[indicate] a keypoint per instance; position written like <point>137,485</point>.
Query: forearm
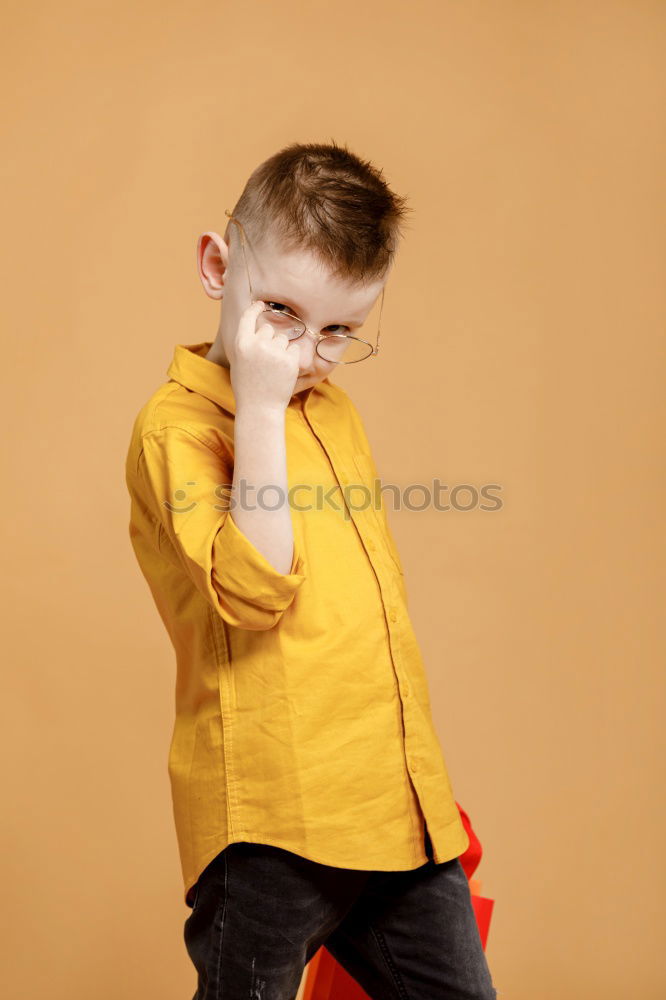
<point>260,459</point>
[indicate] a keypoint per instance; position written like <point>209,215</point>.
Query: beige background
<point>523,345</point>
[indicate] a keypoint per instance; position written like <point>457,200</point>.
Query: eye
<point>280,307</point>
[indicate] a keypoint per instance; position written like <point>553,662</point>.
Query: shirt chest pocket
<point>367,475</point>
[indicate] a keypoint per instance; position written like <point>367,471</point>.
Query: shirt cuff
<point>243,572</point>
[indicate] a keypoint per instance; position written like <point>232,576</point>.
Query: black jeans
<point>260,913</point>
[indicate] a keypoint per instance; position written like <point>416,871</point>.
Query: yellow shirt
<point>302,713</point>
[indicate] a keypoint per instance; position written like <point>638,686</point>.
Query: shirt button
<point>393,615</point>
<point>405,691</point>
<point>412,765</point>
<point>371,545</point>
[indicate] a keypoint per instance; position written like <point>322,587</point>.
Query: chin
<point>310,378</point>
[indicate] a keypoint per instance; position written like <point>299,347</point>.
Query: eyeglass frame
<point>374,351</point>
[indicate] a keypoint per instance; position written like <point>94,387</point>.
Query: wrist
<point>264,412</point>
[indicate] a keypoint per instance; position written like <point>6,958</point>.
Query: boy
<point>304,763</point>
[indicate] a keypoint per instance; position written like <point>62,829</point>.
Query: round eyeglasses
<point>336,348</point>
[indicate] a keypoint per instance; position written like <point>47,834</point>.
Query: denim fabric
<point>260,913</point>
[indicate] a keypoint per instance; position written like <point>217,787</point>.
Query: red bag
<point>469,859</point>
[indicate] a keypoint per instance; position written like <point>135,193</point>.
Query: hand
<point>263,364</point>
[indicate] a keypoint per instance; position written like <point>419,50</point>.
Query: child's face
<point>298,282</point>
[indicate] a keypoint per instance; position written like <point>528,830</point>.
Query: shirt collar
<point>192,369</point>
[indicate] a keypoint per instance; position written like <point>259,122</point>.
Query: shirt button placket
<point>412,765</point>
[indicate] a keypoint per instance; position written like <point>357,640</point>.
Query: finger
<point>266,331</point>
<point>248,320</point>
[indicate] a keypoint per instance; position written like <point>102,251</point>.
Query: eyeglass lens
<point>340,349</point>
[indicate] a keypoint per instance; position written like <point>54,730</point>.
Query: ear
<point>212,262</point>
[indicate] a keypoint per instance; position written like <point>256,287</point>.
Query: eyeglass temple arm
<point>232,218</point>
<point>379,324</point>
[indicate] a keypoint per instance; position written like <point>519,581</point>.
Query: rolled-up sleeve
<point>185,482</point>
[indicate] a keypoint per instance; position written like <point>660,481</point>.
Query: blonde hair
<point>324,199</point>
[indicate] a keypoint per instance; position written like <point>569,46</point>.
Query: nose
<point>307,345</point>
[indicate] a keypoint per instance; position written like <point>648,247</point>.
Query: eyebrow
<point>286,301</point>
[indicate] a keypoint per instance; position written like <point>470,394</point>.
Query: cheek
<point>316,365</point>
<point>323,368</point>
